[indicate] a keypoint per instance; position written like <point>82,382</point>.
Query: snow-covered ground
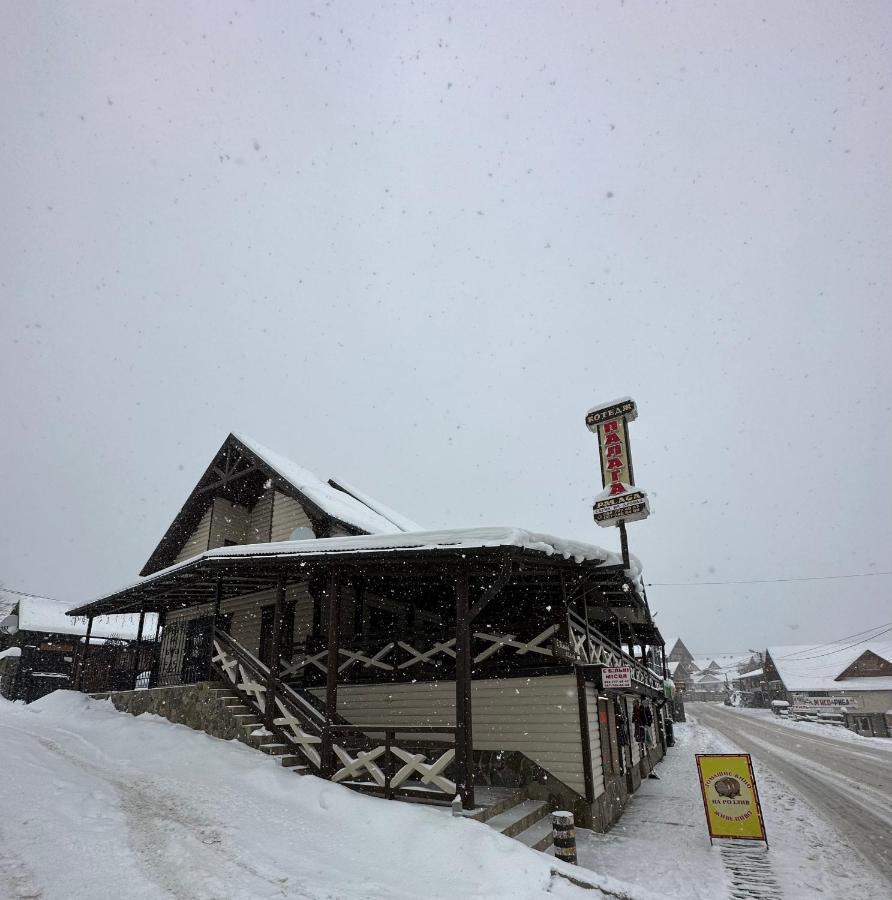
<point>820,729</point>
<point>662,843</point>
<point>98,804</point>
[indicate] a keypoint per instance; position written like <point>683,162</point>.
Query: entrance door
<point>197,649</point>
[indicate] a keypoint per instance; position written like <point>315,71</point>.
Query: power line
<point>847,637</point>
<point>764,580</point>
<point>866,640</point>
<point>9,590</point>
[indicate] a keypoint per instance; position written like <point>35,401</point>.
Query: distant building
<point>856,681</point>
<point>40,643</point>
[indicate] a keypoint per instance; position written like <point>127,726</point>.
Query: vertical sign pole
<point>624,543</point>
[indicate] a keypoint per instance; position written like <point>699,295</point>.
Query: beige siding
<point>246,614</point>
<point>198,540</point>
<point>288,514</point>
<point>538,717</point>
<point>594,735</point>
<point>258,521</point>
<point>227,523</point>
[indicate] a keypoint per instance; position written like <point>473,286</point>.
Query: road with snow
<point>848,781</point>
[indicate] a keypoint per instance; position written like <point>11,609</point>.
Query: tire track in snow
<point>170,839</point>
<point>865,825</point>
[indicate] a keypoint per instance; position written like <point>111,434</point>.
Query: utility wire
<point>8,590</point>
<point>764,580</point>
<point>847,637</point>
<point>866,640</point>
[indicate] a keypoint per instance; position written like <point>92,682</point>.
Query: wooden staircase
<point>252,732</point>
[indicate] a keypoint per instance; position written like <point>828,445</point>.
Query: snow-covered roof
<point>42,614</point>
<point>754,674</point>
<point>10,652</point>
<point>707,678</point>
<point>403,523</point>
<point>8,601</point>
<point>672,667</point>
<point>356,510</point>
<point>810,667</point>
<point>450,539</point>
<point>703,663</point>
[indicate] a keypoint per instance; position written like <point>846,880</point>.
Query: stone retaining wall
<point>190,704</point>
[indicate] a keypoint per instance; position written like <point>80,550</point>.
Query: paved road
<point>851,784</point>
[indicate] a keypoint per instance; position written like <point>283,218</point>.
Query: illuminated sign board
<point>620,500</point>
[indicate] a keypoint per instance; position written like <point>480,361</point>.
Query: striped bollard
<point>564,836</point>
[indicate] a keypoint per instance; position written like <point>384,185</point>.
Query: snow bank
<point>107,805</point>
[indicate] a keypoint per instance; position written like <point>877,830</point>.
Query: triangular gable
<point>240,472</point>
<point>867,665</point>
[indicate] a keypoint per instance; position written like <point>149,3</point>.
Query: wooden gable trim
<point>214,478</point>
<point>867,665</point>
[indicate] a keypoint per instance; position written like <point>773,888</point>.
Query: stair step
<point>539,836</point>
<point>490,812</point>
<point>290,760</point>
<point>273,749</point>
<point>520,817</point>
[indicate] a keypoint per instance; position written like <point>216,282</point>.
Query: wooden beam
<point>493,590</point>
<point>464,741</point>
<point>83,658</point>
<point>275,664</point>
<point>227,479</point>
<point>331,685</point>
<point>134,675</point>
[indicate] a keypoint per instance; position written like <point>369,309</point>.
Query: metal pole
<point>624,543</point>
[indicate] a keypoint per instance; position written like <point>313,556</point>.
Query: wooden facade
<point>412,664</point>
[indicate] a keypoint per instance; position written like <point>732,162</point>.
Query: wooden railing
<point>592,647</point>
<point>366,757</point>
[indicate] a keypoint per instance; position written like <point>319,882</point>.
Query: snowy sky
<point>409,244</point>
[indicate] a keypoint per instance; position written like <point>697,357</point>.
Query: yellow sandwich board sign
<point>730,797</point>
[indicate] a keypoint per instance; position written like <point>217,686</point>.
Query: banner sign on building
<point>801,700</point>
<point>620,500</point>
<point>616,677</point>
<point>730,797</point>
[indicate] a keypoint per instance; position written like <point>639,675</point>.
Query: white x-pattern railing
<point>363,765</point>
<point>587,648</point>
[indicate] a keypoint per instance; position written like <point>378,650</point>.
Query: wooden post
<point>156,653</point>
<point>584,725</point>
<point>464,741</point>
<point>275,664</point>
<point>136,650</point>
<point>331,685</point>
<point>218,601</point>
<point>83,659</point>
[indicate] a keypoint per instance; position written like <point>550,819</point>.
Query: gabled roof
<point>807,667</point>
<point>240,470</point>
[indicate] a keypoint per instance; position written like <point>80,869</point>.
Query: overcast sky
<point>409,244</point>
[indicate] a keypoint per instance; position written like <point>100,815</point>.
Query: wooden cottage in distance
<point>404,662</point>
